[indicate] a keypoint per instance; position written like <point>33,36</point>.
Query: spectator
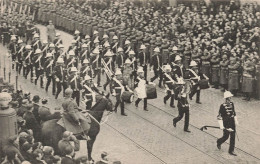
<point>26,151</point>
<point>37,157</point>
<point>65,142</point>
<point>13,145</point>
<point>69,154</point>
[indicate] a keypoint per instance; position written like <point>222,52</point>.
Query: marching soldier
<point>127,47</point>
<point>84,52</point>
<point>105,39</point>
<point>13,50</point>
<point>73,47</point>
<point>227,121</point>
<point>86,69</point>
<point>95,36</point>
<point>77,38</point>
<point>156,63</point>
<point>27,59</point>
<point>140,87</point>
<point>183,106</point>
<point>114,44</point>
<point>95,60</point>
<point>74,83</point>
<point>36,43</point>
<point>120,58</point>
<point>60,52</point>
<point>118,89</point>
<point>108,59</point>
<point>49,68</point>
<point>169,85</point>
<point>71,61</point>
<point>45,47</point>
<point>38,66</point>
<point>52,50</point>
<point>57,41</point>
<point>20,54</point>
<point>133,65</point>
<point>60,77</point>
<point>144,57</point>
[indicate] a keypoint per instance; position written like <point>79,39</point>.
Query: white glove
<point>221,126</point>
<point>230,130</point>
<point>57,80</point>
<point>236,121</point>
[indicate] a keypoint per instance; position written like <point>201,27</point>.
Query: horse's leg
<point>90,144</point>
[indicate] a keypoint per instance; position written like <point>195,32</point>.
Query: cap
<point>49,55</point>
<point>227,94</point>
<point>71,53</point>
<point>36,98</point>
<point>60,60</point>
<point>87,77</point>
<point>73,69</point>
<point>38,51</point>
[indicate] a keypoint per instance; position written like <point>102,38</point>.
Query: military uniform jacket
<point>167,79</point>
<point>114,47</point>
<point>156,62</point>
<point>27,57</point>
<point>85,70</point>
<point>95,61</point>
<point>36,44</point>
<point>74,48</point>
<point>127,49</point>
<point>59,73</point>
<point>74,82</point>
<point>118,86</point>
<point>227,113</point>
<point>57,41</point>
<point>88,89</point>
<point>143,58</point>
<point>38,62</point>
<point>120,60</point>
<point>20,52</point>
<point>178,71</point>
<point>84,54</point>
<point>71,62</point>
<point>13,48</point>
<point>48,67</point>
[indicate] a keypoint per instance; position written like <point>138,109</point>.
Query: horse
<point>52,132</point>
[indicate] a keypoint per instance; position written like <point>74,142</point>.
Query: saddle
<point>70,125</point>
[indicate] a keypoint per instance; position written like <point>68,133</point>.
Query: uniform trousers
<point>49,80</point>
<point>195,90</point>
<point>145,102</point>
<point>226,134</point>
<point>121,102</point>
<point>59,86</point>
<point>76,95</point>
<point>98,75</point>
<point>169,95</point>
<point>157,73</point>
<point>182,111</point>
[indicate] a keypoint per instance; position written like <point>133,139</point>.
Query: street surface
<point>145,137</point>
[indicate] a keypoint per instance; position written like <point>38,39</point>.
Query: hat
<point>73,41</point>
<point>87,37</point>
<point>177,58</point>
<point>156,49</point>
<point>227,94</point>
<point>131,52</point>
<point>127,42</point>
<point>49,55</point>
<point>76,32</point>
<point>13,37</point>
<point>20,41</point>
<point>167,67</point>
<point>118,72</point>
<point>175,48</point>
<point>84,45</point>
<point>44,41</point>
<point>36,35</point>
<point>38,51</point>
<point>106,44</point>
<point>61,46</point>
<point>95,32</point>
<point>105,36</point>
<point>96,40</point>
<point>4,96</point>
<point>140,70</point>
<point>71,53</point>
<point>120,49</point>
<point>193,63</point>
<point>57,34</point>
<point>96,51</point>
<point>85,61</point>
<point>52,45</point>
<point>36,98</point>
<point>142,47</point>
<point>60,60</point>
<point>28,47</point>
<point>108,54</point>
<point>87,77</point>
<point>115,37</point>
<point>73,69</point>
<point>127,61</point>
<point>67,134</point>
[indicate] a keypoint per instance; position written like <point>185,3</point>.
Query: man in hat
<point>57,41</point>
<point>65,142</point>
<point>12,47</point>
<point>156,65</point>
<point>169,85</point>
<point>60,76</point>
<point>95,60</point>
<point>36,43</point>
<point>127,47</point>
<point>27,59</point>
<point>108,61</point>
<point>120,58</point>
<point>227,121</point>
<point>48,72</point>
<point>140,87</point>
<point>144,59</point>
<point>31,123</point>
<point>19,56</point>
<point>38,66</point>
<point>114,44</point>
<point>74,84</point>
<point>71,61</point>
<point>84,54</point>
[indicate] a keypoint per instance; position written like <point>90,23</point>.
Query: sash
<point>45,48</point>
<point>169,77</point>
<point>28,55</point>
<point>36,43</point>
<point>71,61</point>
<point>21,49</point>
<point>51,62</point>
<point>196,76</point>
<point>121,86</point>
<point>128,49</point>
<point>78,38</point>
<point>115,45</point>
<point>38,59</point>
<point>96,59</point>
<point>85,69</point>
<point>74,78</point>
<point>82,55</point>
<point>58,42</point>
<point>92,92</point>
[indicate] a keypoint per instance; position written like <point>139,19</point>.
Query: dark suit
<point>67,160</point>
<point>49,65</point>
<point>157,63</point>
<point>31,123</point>
<point>144,59</point>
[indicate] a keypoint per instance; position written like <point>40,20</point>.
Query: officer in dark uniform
<point>227,120</point>
<point>183,106</point>
<point>19,58</point>
<point>74,83</point>
<point>144,59</point>
<point>38,66</point>
<point>169,85</point>
<point>49,68</point>
<point>156,63</point>
<point>13,49</point>
<point>27,59</point>
<point>60,77</point>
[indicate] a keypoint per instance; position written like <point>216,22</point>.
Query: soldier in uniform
<point>183,106</point>
<point>233,75</point>
<point>120,58</point>
<point>127,47</point>
<point>224,72</point>
<point>74,84</point>
<point>73,47</point>
<point>60,77</point>
<point>84,52</point>
<point>156,63</point>
<point>169,85</point>
<point>13,50</point>
<point>57,41</point>
<point>140,87</point>
<point>227,122</point>
<point>48,69</point>
<point>95,60</point>
<point>27,59</point>
<point>118,89</point>
<point>86,69</point>
<point>38,66</point>
<point>19,58</point>
<point>108,59</point>
<point>205,63</point>
<point>36,43</point>
<point>71,61</point>
<point>144,58</point>
<point>248,79</point>
<point>45,47</point>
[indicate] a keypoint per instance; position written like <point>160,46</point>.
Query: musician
<point>36,43</point>
<point>248,79</point>
<point>95,60</point>
<point>20,54</point>
<point>133,65</point>
<point>127,71</point>
<point>195,76</point>
<point>156,63</point>
<point>183,106</point>
<point>177,68</point>
<point>71,61</point>
<point>120,58</point>
<point>74,84</point>
<point>89,92</point>
<point>227,121</point>
<point>169,85</point>
<point>83,53</point>
<point>144,59</point>
<point>118,89</point>
<point>108,59</point>
<point>12,47</point>
<point>27,61</point>
<point>48,71</point>
<point>38,66</point>
<point>114,44</point>
<point>140,87</point>
<point>60,77</point>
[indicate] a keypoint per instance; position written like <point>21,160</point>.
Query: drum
<point>204,84</point>
<point>151,91</point>
<point>128,96</point>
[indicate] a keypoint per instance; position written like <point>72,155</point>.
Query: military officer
<point>20,54</point>
<point>227,121</point>
<point>169,85</point>
<point>48,69</point>
<point>144,58</point>
<point>27,61</point>
<point>156,64</point>
<point>74,84</point>
<point>140,85</point>
<point>38,66</point>
<point>60,77</point>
